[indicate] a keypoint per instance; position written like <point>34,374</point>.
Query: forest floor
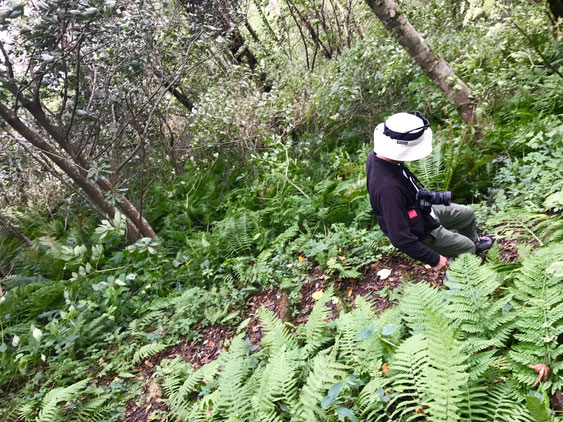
<point>148,406</point>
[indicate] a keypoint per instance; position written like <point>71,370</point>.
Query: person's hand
<point>442,263</point>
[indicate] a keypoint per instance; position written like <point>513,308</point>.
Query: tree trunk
<point>433,65</point>
<point>6,225</point>
<point>79,165</point>
<point>556,7</point>
<point>73,170</point>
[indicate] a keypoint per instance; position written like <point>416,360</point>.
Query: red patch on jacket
<point>412,214</point>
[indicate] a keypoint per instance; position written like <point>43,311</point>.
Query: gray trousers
<point>453,217</point>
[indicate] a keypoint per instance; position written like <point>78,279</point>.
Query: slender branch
<point>532,42</point>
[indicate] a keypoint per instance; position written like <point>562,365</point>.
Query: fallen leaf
<point>384,273</point>
<point>341,257</point>
<point>349,292</point>
<point>154,391</point>
<point>543,372</point>
<point>317,295</point>
<point>427,266</point>
<point>301,259</point>
<point>385,368</point>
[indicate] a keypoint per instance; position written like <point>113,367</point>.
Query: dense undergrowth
<point>82,310</point>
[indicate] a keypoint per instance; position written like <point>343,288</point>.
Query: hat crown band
<point>404,136</point>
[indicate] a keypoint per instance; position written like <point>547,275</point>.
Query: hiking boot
<point>484,243</point>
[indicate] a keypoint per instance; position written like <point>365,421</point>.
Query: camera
<point>427,198</point>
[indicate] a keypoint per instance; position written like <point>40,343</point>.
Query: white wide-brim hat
<point>403,137</point>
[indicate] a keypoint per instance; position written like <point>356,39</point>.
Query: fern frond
<point>94,410</point>
<point>276,332</point>
<point>50,409</point>
<point>484,322</point>
<point>147,351</point>
<point>325,372</point>
<point>314,330</point>
<point>447,374</point>
<point>360,345</point>
<point>233,397</point>
<point>409,378</point>
<point>540,322</point>
<point>502,406</point>
<point>277,386</point>
<point>235,235</point>
<point>430,170</point>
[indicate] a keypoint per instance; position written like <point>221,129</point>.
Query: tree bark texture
<point>77,166</point>
<point>6,225</point>
<point>556,7</point>
<point>77,174</point>
<point>437,69</point>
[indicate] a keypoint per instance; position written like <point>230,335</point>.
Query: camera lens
<point>447,197</point>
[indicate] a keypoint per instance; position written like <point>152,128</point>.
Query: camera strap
<point>412,178</point>
<point>416,183</point>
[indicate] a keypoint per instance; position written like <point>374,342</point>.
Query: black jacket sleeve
<point>394,210</point>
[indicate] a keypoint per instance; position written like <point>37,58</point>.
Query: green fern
<point>314,332</point>
<point>325,372</point>
<point>485,323</point>
<point>430,170</point>
<point>94,410</point>
<point>276,332</point>
<point>147,351</point>
<point>549,229</point>
<point>540,321</point>
<point>447,373</point>
<point>235,235</point>
<point>502,406</point>
<point>232,399</point>
<point>277,387</point>
<point>409,373</point>
<point>51,411</point>
<point>360,341</point>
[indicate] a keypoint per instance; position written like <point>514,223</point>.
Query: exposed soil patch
<point>318,281</point>
<point>200,351</point>
<point>556,401</point>
<point>508,251</point>
<point>204,349</point>
<point>275,301</point>
<point>402,269</point>
<point>142,410</point>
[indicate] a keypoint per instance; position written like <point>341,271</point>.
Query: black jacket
<point>393,199</point>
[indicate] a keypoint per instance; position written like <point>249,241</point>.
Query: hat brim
<point>413,150</point>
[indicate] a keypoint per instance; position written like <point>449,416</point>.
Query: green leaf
<point>538,405</point>
<point>382,395</point>
<point>344,413</point>
<point>368,332</point>
<point>389,329</point>
<point>335,390</point>
<point>125,375</point>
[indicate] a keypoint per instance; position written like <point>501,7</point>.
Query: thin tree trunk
<point>10,228</point>
<point>312,31</point>
<point>556,7</point>
<point>82,166</point>
<point>92,190</point>
<point>433,65</point>
<point>180,96</point>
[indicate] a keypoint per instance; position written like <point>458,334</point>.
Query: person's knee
<point>466,211</point>
<point>468,246</point>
